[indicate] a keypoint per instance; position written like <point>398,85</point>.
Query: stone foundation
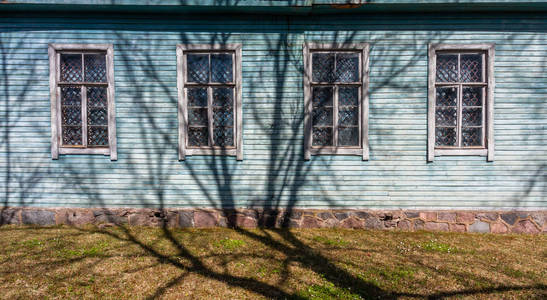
<point>455,221</point>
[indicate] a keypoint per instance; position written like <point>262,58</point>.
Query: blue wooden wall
<point>273,172</point>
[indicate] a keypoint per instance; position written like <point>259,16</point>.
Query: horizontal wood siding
<point>273,172</point>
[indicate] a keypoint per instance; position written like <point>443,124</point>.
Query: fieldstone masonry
<point>455,221</point>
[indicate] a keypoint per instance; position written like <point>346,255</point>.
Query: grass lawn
<point>119,262</point>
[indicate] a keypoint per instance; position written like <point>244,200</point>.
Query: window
<point>336,99</point>
<point>83,117</point>
<point>210,113</point>
<point>461,100</point>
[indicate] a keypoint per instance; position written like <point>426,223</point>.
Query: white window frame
<point>361,150</point>
<point>184,150</point>
<point>488,122</point>
<point>54,52</point>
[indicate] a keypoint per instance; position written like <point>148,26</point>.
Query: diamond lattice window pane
<point>223,117</point>
<point>71,67</point>
<point>471,68</point>
<point>471,117</point>
<point>197,96</point>
<point>347,67</point>
<point>198,67</point>
<point>197,116</point>
<point>95,67</point>
<point>198,136</point>
<point>97,135</point>
<point>97,116</point>
<point>71,95</point>
<point>322,116</point>
<point>348,96</point>
<point>445,116</point>
<point>471,137</point>
<point>348,116</point>
<point>72,135</point>
<point>348,136</point>
<point>446,96</point>
<point>223,136</point>
<point>322,96</point>
<point>96,96</point>
<point>71,115</point>
<point>323,67</point>
<point>447,68</point>
<point>472,96</point>
<point>221,68</point>
<point>322,136</point>
<point>445,136</point>
<point>223,97</point>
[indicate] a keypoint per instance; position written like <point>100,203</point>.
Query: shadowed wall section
<point>273,174</point>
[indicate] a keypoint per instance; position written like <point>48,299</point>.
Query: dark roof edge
<point>299,8</point>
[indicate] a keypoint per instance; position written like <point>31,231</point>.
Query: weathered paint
<point>273,172</point>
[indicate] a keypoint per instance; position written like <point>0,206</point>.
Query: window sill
<point>337,151</point>
<point>93,151</point>
<point>461,152</point>
<point>211,151</point>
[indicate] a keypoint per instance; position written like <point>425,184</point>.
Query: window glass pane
<point>446,96</point>
<point>96,96</point>
<point>223,117</point>
<point>97,135</point>
<point>348,136</point>
<point>472,96</point>
<point>347,67</point>
<point>471,116</point>
<point>197,96</point>
<point>198,67</point>
<point>348,96</point>
<point>223,97</point>
<point>197,116</point>
<point>322,96</point>
<point>221,68</point>
<point>223,136</point>
<point>198,136</point>
<point>71,67</point>
<point>97,116</point>
<point>471,136</point>
<point>72,115</point>
<point>471,68</point>
<point>445,116</point>
<point>322,136</point>
<point>348,116</point>
<point>447,68</point>
<point>322,116</point>
<point>95,67</point>
<point>445,136</point>
<point>72,135</point>
<point>71,95</point>
<point>323,67</point>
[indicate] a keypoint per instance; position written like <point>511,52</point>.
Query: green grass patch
<point>436,246</point>
<point>513,272</point>
<point>327,291</point>
<point>91,251</point>
<point>387,276</point>
<point>33,243</point>
<point>230,244</point>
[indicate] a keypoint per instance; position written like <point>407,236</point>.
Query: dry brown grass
<point>65,262</point>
